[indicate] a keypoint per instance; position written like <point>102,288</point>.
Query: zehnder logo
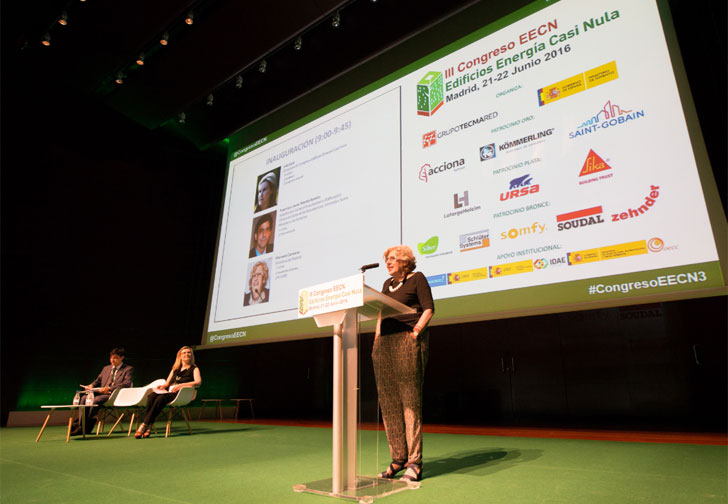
<point>427,170</point>
<point>610,116</point>
<point>430,93</point>
<point>580,218</point>
<point>520,186</point>
<point>520,142</point>
<point>430,137</point>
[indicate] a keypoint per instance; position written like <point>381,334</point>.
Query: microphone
<point>369,266</point>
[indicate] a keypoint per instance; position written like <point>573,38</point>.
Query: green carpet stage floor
<point>258,463</point>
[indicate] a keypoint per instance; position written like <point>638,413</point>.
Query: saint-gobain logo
<point>487,152</point>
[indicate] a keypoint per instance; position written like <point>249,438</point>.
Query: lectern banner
<point>340,294</point>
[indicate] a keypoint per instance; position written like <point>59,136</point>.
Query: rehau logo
<point>460,201</point>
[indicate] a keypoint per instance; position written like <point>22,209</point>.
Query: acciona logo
<point>427,170</point>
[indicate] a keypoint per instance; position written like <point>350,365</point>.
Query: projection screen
<point>550,161</point>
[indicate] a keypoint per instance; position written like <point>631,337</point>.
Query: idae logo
<point>430,94</point>
<point>430,246</point>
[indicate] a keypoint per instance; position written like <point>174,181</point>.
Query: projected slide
<point>548,164</point>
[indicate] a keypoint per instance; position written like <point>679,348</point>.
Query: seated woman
<point>184,374</point>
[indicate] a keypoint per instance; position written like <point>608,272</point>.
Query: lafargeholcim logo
<point>430,95</point>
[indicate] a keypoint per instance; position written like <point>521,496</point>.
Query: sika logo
<point>487,152</point>
<point>429,139</point>
<point>520,186</point>
<point>460,201</point>
<point>611,115</point>
<point>579,218</point>
<point>429,94</point>
<point>427,170</point>
<point>593,164</point>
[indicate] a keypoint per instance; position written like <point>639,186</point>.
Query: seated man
<point>114,376</point>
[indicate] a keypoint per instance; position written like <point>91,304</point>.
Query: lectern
<point>340,304</point>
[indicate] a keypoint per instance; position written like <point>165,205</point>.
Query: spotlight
<point>209,100</point>
<point>336,20</point>
<point>181,118</point>
<point>63,20</point>
<point>190,19</point>
<point>298,44</point>
<point>238,82</point>
<point>262,67</point>
<point>119,78</point>
<point>46,40</point>
<point>140,59</point>
<point>165,39</point>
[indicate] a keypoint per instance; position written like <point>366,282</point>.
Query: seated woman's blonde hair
<point>403,253</point>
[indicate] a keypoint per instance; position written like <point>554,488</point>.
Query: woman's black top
<point>414,292</point>
<point>179,376</point>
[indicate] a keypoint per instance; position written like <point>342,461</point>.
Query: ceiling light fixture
<point>336,20</point>
<point>46,40</point>
<point>298,44</point>
<point>165,39</point>
<point>238,82</point>
<point>210,100</point>
<point>119,78</point>
<point>140,59</point>
<point>263,66</point>
<point>190,19</point>
<point>63,20</point>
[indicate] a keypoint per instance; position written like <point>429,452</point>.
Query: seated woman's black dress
<point>157,402</point>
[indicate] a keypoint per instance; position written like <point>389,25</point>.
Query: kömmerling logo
<point>611,115</point>
<point>518,142</point>
<point>430,93</point>
<point>487,152</point>
<point>427,170</point>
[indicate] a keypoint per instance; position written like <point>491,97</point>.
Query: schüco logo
<point>427,170</point>
<point>430,93</point>
<point>579,218</point>
<point>520,186</point>
<point>430,246</point>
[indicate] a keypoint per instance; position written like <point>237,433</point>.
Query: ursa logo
<point>429,246</point>
<point>520,186</point>
<point>430,95</point>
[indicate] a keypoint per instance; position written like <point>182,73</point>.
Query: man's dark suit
<point>124,377</point>
<point>268,250</point>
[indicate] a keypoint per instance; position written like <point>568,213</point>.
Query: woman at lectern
<point>184,374</point>
<point>401,345</point>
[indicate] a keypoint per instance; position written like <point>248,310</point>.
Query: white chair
<point>185,396</point>
<point>134,398</point>
<point>104,410</point>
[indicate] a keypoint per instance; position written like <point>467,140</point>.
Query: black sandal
<point>392,470</point>
<point>413,472</point>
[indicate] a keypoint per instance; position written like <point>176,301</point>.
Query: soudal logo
<point>427,170</point>
<point>593,164</point>
<point>520,142</point>
<point>429,138</point>
<point>534,229</point>
<point>487,152</point>
<point>609,116</point>
<point>579,218</point>
<point>520,186</point>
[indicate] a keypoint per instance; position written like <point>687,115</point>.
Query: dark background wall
<point>108,236</point>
